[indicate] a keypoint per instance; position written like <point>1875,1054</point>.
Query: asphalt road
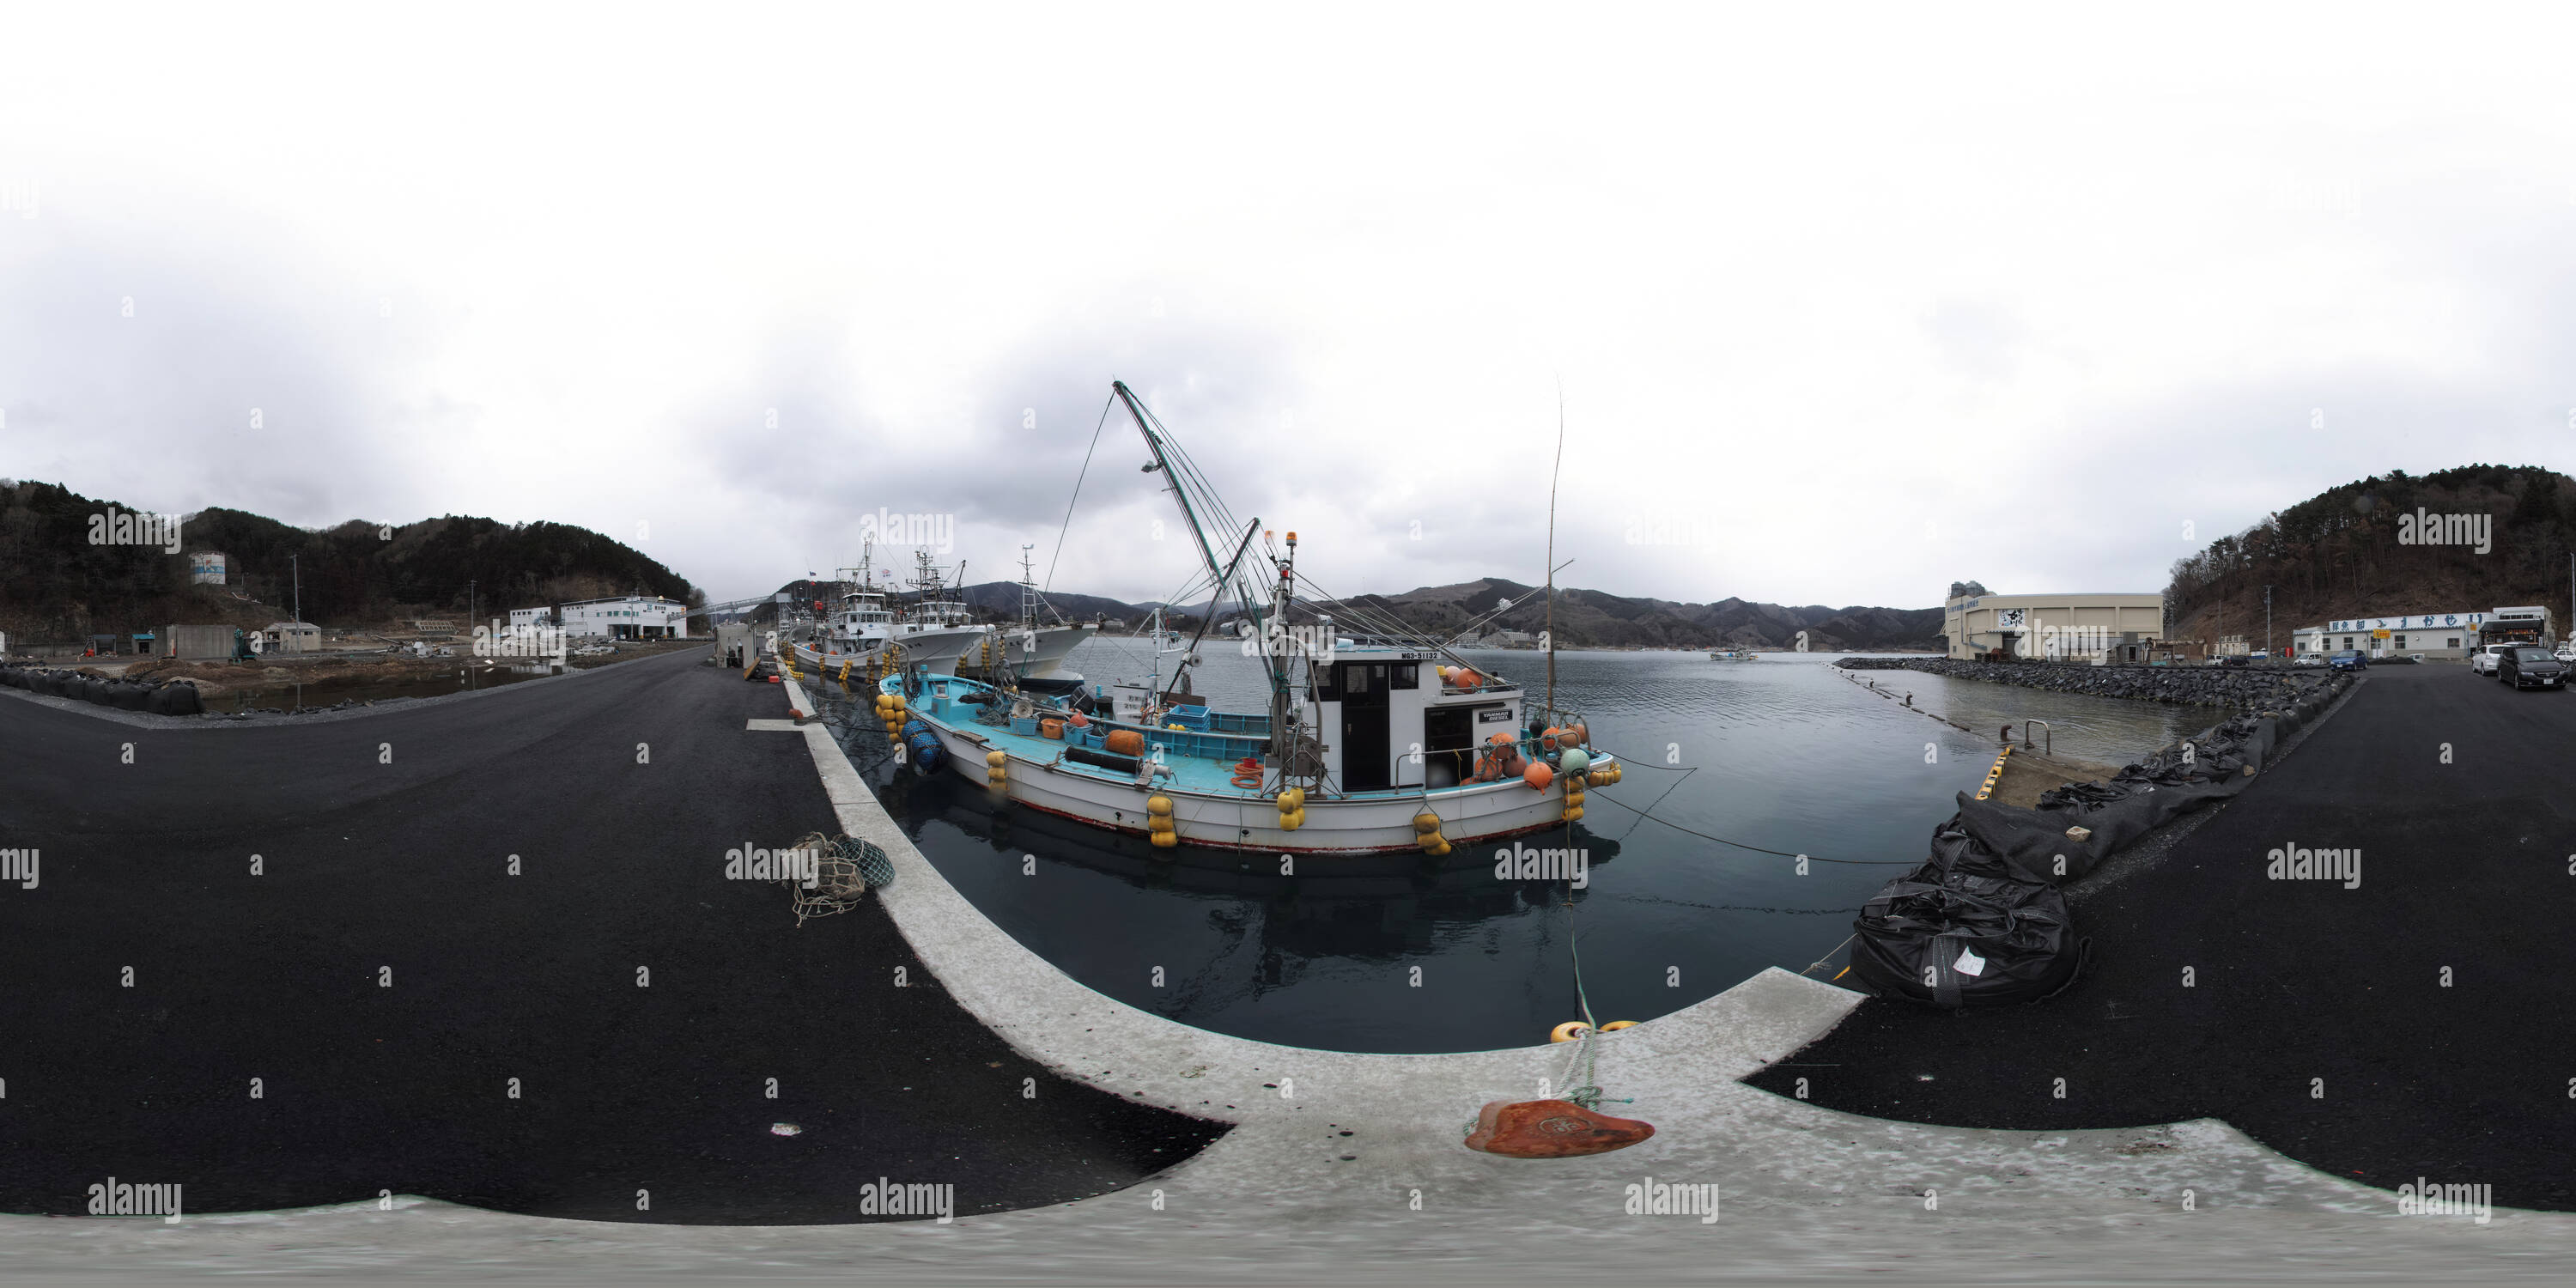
<point>2406,1028</point>
<point>385,979</point>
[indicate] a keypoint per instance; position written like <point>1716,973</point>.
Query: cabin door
<point>1366,765</point>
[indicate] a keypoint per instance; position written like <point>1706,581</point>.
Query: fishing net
<point>845,868</point>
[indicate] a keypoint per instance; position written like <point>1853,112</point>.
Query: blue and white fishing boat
<point>1376,740</point>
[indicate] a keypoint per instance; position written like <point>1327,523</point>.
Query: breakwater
<point>2217,686</point>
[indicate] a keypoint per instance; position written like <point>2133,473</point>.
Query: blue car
<point>2349,660</point>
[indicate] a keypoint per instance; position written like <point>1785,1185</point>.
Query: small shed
<point>291,637</point>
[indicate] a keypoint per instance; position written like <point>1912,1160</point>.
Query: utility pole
<point>295,568</point>
<point>2267,623</point>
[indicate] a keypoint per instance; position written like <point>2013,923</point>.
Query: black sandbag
<point>13,677</point>
<point>1967,942</point>
<point>178,698</point>
<point>128,697</point>
<point>93,690</point>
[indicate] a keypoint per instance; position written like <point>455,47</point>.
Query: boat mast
<point>1218,575</point>
<point>1550,628</point>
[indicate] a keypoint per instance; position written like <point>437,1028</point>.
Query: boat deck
<point>1194,761</point>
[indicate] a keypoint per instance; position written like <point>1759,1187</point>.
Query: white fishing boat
<point>856,633</point>
<point>1733,655</point>
<point>1036,648</point>
<point>1374,741</point>
<point>936,632</point>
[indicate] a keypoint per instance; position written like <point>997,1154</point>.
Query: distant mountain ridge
<point>1592,618</point>
<point>1584,618</point>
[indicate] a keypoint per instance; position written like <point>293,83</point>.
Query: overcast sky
<point>1842,308</point>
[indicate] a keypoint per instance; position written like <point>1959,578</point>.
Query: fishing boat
<point>1376,739</point>
<point>937,631</point>
<point>1733,655</point>
<point>1036,649</point>
<point>858,631</point>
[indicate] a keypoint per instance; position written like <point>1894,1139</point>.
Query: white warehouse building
<point>626,617</point>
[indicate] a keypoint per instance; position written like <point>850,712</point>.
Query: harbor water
<point>1400,953</point>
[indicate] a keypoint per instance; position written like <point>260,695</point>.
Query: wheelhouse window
<point>1408,675</point>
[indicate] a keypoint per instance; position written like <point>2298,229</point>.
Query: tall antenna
<point>1551,546</point>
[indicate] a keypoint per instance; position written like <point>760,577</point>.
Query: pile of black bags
<point>1963,931</point>
<point>157,697</point>
<point>1982,923</point>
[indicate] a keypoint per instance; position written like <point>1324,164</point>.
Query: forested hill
<point>57,585</point>
<point>2366,549</point>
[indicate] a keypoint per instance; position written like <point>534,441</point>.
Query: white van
<point>2483,662</point>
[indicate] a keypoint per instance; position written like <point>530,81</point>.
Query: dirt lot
<point>216,678</point>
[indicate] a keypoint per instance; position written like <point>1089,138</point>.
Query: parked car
<point>2566,650</point>
<point>2530,666</point>
<point>2349,660</point>
<point>2483,662</point>
<point>2308,659</point>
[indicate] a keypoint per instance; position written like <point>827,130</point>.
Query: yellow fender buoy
<point>1616,1025</point>
<point>1568,1031</point>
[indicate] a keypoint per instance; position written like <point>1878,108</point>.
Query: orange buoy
<point>1538,775</point>
<point>1552,738</point>
<point>1126,742</point>
<point>1616,1025</point>
<point>1078,720</point>
<point>1551,1129</point>
<point>1568,1031</point>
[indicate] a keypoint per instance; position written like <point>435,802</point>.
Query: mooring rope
<point>1813,858</point>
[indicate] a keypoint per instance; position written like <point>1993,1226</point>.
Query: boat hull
<point>938,651</point>
<point>831,655</point>
<point>1053,643</point>
<point>1373,824</point>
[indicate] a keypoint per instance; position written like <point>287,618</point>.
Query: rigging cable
<point>1077,493</point>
